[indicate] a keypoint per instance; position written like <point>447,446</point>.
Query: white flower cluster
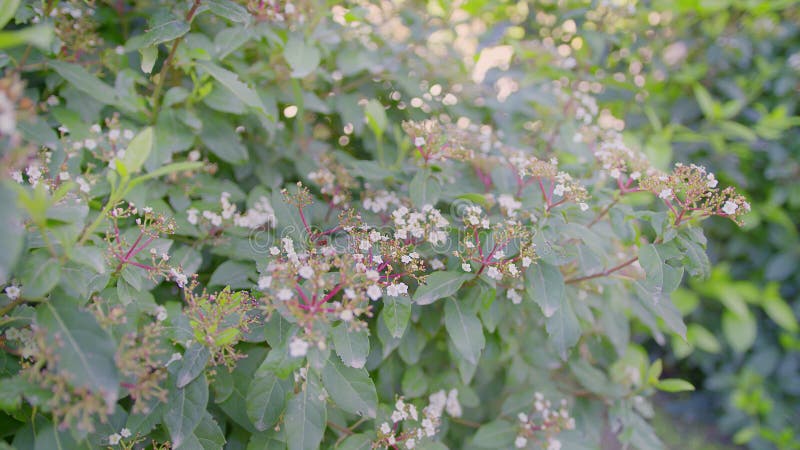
<point>428,225</point>
<point>380,201</point>
<point>24,338</point>
<point>474,216</point>
<point>430,419</point>
<point>259,215</point>
<point>116,437</point>
<point>545,420</point>
<point>327,182</point>
<point>509,205</point>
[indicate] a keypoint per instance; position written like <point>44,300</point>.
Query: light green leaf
<point>395,314</point>
<point>439,285</point>
<point>85,82</point>
<point>160,33</point>
<point>661,278</point>
<point>231,82</point>
<point>138,150</point>
<point>465,330</point>
<point>777,309</point>
<point>305,419</point>
<point>740,330</point>
<point>39,36</point>
<point>497,434</point>
<point>376,117</point>
<point>149,56</point>
<point>87,351</point>
<point>674,385</point>
<point>207,436</point>
<point>351,389</point>
<point>92,257</point>
<point>356,442</point>
<point>545,286</point>
<point>185,408</point>
<point>266,399</point>
<point>302,57</point>
<point>229,10</point>
<point>7,10</point>
<point>351,346</point>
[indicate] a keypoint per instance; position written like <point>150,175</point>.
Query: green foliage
<point>269,225</point>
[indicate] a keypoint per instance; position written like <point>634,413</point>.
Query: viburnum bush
<point>224,226</point>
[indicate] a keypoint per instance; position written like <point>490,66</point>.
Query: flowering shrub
<point>187,265</point>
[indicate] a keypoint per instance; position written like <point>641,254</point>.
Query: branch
<point>604,273</point>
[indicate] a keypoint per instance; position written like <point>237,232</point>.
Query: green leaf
<point>185,408</point>
<point>266,399</point>
<point>674,385</point>
<point>497,434</point>
<point>356,442</point>
<point>162,32</point>
<point>395,314</point>
<point>740,330</point>
<point>351,389</point>
<point>545,286</point>
<point>306,417</point>
<point>11,239</point>
<point>424,189</point>
<point>91,257</point>
<point>7,10</point>
<point>149,56</point>
<point>49,437</point>
<point>229,10</point>
<point>87,353</point>
<point>439,285</point>
<point>654,372</point>
<point>351,346</point>
<point>85,82</point>
<point>192,364</point>
<point>39,36</point>
<point>465,330</point>
<point>219,136</point>
<point>302,57</point>
<point>705,101</point>
<point>231,82</point>
<point>207,436</point>
<point>138,150</point>
<point>563,328</point>
<point>661,278</point>
<point>39,275</point>
<point>376,117</point>
<point>778,310</point>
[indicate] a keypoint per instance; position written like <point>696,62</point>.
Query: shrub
<point>259,246</point>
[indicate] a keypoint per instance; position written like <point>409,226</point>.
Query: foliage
<point>296,225</point>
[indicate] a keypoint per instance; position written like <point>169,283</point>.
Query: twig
<point>604,273</point>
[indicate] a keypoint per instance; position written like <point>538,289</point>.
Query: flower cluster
<point>333,180</point>
<point>436,141</point>
<point>427,225</point>
<point>259,215</point>
<point>486,244</point>
<point>139,359</point>
<point>409,428</point>
<point>542,425</point>
<point>151,225</point>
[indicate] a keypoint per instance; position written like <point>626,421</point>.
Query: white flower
<point>452,406</point>
<point>298,347</point>
<point>374,292</point>
<point>284,294</point>
<point>554,444</point>
<point>522,417</point>
<point>559,190</point>
<point>583,206</point>
<point>526,261</point>
<point>114,439</point>
<point>83,184</point>
<point>179,277</point>
<point>397,416</point>
<point>191,216</point>
<point>175,357</point>
<point>12,292</point>
<point>264,281</point>
<point>514,296</point>
<point>385,429</point>
<point>436,264</point>
<point>127,134</point>
<point>90,144</point>
<point>665,194</point>
<point>730,207</point>
<point>614,173</point>
<point>113,134</point>
<point>17,176</point>
<point>126,433</point>
<point>636,175</point>
<point>274,251</point>
<point>95,129</point>
<point>520,442</point>
<point>466,267</point>
<point>712,182</point>
<point>493,273</point>
<point>419,141</point>
<point>373,275</point>
<point>346,315</point>
<point>410,443</point>
<point>161,314</point>
<point>306,272</point>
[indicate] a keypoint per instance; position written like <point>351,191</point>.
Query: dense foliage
<point>377,225</point>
